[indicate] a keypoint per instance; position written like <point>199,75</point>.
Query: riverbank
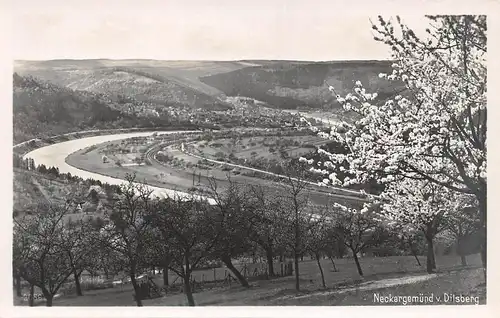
<point>55,156</point>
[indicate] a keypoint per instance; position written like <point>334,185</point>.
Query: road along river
<point>55,156</point>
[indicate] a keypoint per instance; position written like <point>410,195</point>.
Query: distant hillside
<point>43,109</point>
<point>292,85</point>
<point>167,83</point>
<point>206,84</point>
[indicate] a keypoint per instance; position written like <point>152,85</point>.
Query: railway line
<point>313,188</point>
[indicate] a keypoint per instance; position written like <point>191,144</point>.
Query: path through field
<point>371,285</point>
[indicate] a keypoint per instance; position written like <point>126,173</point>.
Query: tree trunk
<point>165,276</point>
<point>187,281</point>
<point>416,257</point>
<point>270,262</point>
<point>77,283</point>
<point>48,300</point>
<point>296,260</point>
<point>321,270</point>
<point>414,253</point>
<point>281,261</point>
<point>48,297</point>
<point>31,300</point>
<point>463,260</point>
<point>483,223</point>
<point>138,294</point>
<point>356,260</point>
<point>187,289</point>
<point>229,264</point>
<point>333,263</point>
<point>18,286</point>
<point>431,263</point>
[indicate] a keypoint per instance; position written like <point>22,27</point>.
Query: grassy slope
<point>25,191</point>
<point>31,188</point>
<point>343,286</point>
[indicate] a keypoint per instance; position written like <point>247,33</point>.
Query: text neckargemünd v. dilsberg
<point>445,298</point>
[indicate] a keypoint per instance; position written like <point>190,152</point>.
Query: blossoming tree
<point>420,205</point>
<point>434,130</point>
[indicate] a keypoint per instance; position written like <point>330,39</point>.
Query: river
<point>55,156</point>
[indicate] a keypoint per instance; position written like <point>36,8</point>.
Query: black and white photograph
<point>219,153</point>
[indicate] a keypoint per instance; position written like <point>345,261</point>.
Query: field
<point>183,172</point>
<point>396,275</point>
<point>268,147</point>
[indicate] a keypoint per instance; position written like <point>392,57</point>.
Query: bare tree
<point>186,225</point>
<point>130,221</point>
<point>230,225</point>
<point>78,243</point>
<point>262,215</point>
<point>294,204</point>
<point>40,258</point>
<point>316,238</point>
<point>356,229</point>
<point>410,240</point>
<point>158,252</point>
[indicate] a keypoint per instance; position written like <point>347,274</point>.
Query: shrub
<point>220,155</point>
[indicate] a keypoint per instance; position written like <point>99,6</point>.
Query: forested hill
<point>42,109</point>
<point>293,84</point>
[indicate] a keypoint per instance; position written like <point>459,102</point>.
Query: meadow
<point>266,147</point>
<point>186,172</point>
<point>396,275</point>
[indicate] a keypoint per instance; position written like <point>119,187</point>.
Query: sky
<point>195,30</point>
